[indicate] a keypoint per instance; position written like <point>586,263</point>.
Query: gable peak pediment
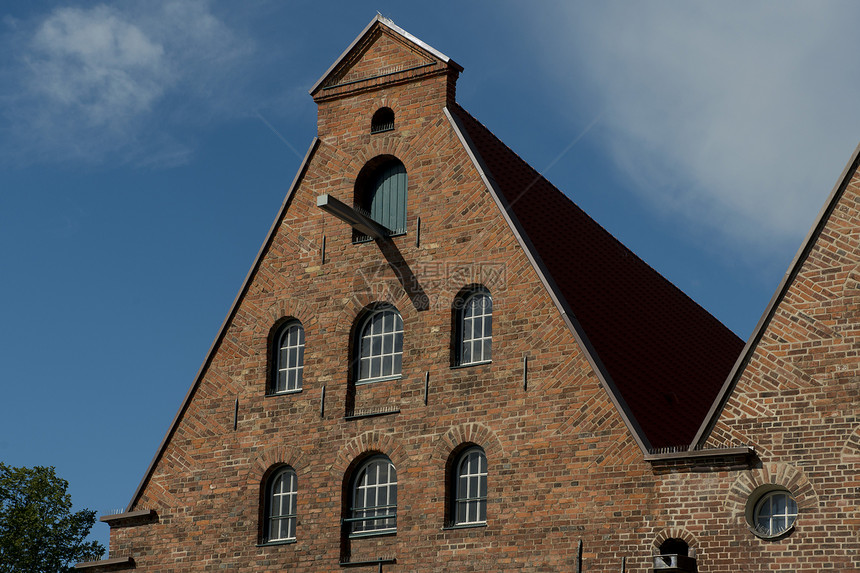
<point>382,54</point>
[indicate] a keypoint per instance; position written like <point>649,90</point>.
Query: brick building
<point>439,363</point>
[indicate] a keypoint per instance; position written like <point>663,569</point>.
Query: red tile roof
<point>667,356</point>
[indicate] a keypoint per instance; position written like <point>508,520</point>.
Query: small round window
<point>775,513</point>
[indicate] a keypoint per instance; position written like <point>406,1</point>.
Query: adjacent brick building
<point>439,363</point>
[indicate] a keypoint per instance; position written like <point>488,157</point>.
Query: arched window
<point>288,358</point>
<point>280,514</point>
<point>469,505</point>
<point>383,120</point>
<point>380,346</point>
<point>474,328</point>
<point>374,498</point>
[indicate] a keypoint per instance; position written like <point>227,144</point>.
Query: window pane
<point>290,358</point>
<point>476,329</point>
<point>778,504</point>
<point>467,353</point>
<point>467,329</point>
<point>388,345</point>
<point>282,506</point>
<point>471,494</point>
<point>382,344</point>
<point>387,364</point>
<point>776,512</point>
<point>375,496</point>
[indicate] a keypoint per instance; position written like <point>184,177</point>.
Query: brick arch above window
<point>277,314</point>
<point>385,146</point>
<point>362,300</point>
<point>365,444</point>
<point>779,474</point>
<point>674,532</point>
<point>281,309</point>
<point>851,450</point>
<point>274,456</point>
<point>473,433</point>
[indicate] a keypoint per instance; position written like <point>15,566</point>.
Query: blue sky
<point>145,149</point>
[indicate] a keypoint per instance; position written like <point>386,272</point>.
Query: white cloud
<point>115,82</point>
<point>96,64</point>
<point>737,115</point>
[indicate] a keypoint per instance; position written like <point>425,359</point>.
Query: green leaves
<point>38,531</point>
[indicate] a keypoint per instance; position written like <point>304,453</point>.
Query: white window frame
<point>470,488</point>
<point>289,358</point>
<point>380,347</point>
<point>475,336</point>
<point>373,508</point>
<point>766,518</point>
<point>281,500</point>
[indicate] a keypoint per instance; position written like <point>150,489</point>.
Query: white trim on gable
<point>383,21</point>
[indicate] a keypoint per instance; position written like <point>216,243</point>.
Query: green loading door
<point>388,199</point>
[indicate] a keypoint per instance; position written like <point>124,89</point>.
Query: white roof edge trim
<point>223,329</point>
<point>785,283</point>
<point>552,288</point>
<point>388,23</point>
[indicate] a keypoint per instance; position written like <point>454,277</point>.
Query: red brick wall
<point>562,465</point>
<point>546,446</point>
<point>797,402</point>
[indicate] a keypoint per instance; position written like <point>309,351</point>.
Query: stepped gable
<point>666,355</point>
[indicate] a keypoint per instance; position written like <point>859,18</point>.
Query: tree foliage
<point>38,531</point>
